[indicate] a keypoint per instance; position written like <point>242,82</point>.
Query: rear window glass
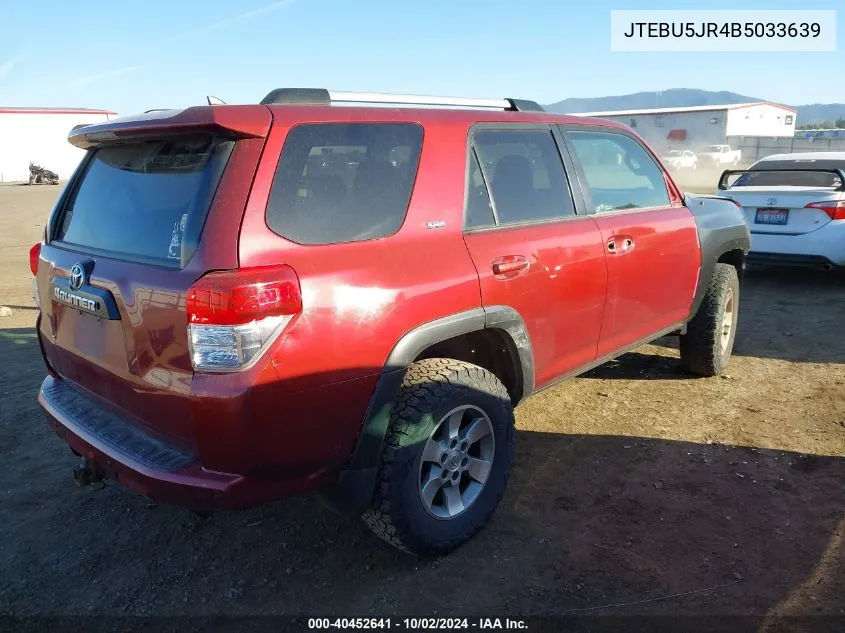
<point>782,177</point>
<point>146,201</point>
<point>344,182</point>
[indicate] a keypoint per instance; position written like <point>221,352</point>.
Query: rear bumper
<point>826,244</point>
<point>816,262</point>
<point>118,449</point>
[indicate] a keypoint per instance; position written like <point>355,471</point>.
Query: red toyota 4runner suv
<point>240,303</point>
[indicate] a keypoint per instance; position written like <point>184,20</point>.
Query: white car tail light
<point>234,316</point>
<point>834,208</point>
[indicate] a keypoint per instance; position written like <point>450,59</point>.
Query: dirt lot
<point>705,178</point>
<point>637,490</point>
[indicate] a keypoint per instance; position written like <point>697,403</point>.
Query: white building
<point>39,135</point>
<point>695,127</point>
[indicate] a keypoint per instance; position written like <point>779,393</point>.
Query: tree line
<point>824,125</point>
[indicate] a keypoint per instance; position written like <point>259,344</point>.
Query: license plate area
<point>771,216</point>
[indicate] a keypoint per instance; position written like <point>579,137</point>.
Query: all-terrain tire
<point>704,349</point>
<point>431,389</point>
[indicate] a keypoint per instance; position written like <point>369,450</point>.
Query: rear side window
<point>146,201</point>
<point>620,173</point>
<point>479,214</point>
<point>525,175</point>
<point>344,182</point>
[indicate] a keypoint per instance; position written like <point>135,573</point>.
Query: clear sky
<point>133,56</point>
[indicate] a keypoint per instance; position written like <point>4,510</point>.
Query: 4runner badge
<point>75,300</point>
<point>75,292</point>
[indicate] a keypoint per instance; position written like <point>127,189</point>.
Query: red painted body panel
<point>651,284</point>
<point>290,422</point>
<point>195,486</point>
<point>243,121</point>
<point>561,294</point>
<point>356,302</point>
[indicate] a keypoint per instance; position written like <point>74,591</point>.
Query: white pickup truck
<point>720,155</point>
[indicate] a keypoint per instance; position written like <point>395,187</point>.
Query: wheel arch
<point>356,483</point>
<point>736,258</point>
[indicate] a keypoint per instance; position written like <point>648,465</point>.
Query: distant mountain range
<point>685,98</point>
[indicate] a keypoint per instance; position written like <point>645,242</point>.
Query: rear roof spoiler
<point>238,121</point>
<point>723,179</point>
<point>323,97</point>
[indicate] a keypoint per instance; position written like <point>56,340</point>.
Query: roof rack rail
<point>321,96</point>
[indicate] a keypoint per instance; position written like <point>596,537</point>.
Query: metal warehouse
<point>695,127</point>
<point>39,135</point>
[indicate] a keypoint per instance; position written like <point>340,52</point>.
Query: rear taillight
<point>834,208</point>
<point>34,255</point>
<point>234,316</point>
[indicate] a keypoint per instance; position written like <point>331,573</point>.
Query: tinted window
<point>620,173</point>
<point>525,175</point>
<point>344,182</point>
<point>146,200</point>
<point>787,179</point>
<point>776,173</point>
<point>479,209</point>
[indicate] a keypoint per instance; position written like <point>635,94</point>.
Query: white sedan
<point>794,205</point>
<point>680,159</point>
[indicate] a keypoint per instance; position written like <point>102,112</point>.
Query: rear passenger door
<point>649,238</point>
<point>533,252</point>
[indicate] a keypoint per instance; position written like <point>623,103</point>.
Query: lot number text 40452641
<point>417,624</point>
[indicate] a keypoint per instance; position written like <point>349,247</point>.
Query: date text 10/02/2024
<point>416,624</point>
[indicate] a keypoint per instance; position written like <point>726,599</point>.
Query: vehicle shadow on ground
<point>586,521</point>
<point>21,370</point>
<point>790,315</point>
<point>642,366</point>
<point>31,308</point>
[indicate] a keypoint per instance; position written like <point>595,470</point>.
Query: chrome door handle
<point>619,244</point>
<point>510,264</point>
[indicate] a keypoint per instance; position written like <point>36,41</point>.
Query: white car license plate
<point>772,216</point>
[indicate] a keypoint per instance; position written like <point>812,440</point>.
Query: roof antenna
<point>215,100</point>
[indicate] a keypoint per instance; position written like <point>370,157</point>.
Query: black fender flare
<point>353,492</point>
<point>721,229</point>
